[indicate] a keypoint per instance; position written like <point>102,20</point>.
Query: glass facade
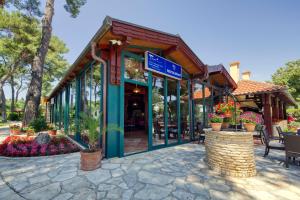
<point>158,111</point>
<point>170,110</point>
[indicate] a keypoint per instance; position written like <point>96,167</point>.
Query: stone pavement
<point>178,172</point>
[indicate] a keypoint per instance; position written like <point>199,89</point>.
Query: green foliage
<point>94,131</point>
<point>19,38</point>
<point>91,124</point>
<point>31,7</point>
<point>73,6</point>
<point>295,112</point>
<point>13,116</point>
<point>289,75</point>
<point>39,124</point>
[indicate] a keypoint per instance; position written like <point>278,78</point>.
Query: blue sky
<point>262,34</point>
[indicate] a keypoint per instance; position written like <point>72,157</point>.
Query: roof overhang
<point>171,46</point>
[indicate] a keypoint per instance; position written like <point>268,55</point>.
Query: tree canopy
<point>289,75</point>
<point>20,35</point>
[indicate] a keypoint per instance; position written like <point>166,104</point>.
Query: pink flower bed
<point>16,146</point>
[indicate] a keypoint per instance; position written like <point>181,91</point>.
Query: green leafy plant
<point>214,118</point>
<point>91,126</point>
<point>39,124</point>
<point>13,116</point>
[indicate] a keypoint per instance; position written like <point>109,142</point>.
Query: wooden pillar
<point>284,111</point>
<point>276,109</point>
<point>267,113</point>
<point>280,110</point>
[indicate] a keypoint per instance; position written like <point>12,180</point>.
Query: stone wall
<point>230,153</point>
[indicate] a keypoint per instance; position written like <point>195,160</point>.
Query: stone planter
<point>250,127</point>
<point>225,125</point>
<point>216,126</point>
<point>90,160</point>
<point>52,132</point>
<point>230,153</point>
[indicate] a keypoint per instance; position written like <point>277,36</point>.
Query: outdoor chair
<point>281,133</point>
<point>271,143</point>
<point>159,130</point>
<point>292,147</point>
<point>258,133</point>
<point>201,132</point>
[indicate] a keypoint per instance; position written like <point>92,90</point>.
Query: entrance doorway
<point>135,119</point>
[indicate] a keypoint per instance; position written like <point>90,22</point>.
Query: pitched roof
<point>246,87</point>
<point>251,87</point>
<point>215,71</point>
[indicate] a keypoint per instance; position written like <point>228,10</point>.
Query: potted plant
<point>226,122</point>
<point>15,129</point>
<point>90,158</point>
<point>215,121</point>
<point>52,130</point>
<point>227,108</point>
<point>30,131</point>
<point>250,120</point>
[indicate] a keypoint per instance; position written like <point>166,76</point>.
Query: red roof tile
<point>252,87</point>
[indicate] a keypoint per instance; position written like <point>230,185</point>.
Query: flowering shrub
<point>214,118</point>
<point>251,117</point>
<point>227,107</point>
<point>27,146</point>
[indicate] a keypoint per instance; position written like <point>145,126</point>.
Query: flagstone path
<point>178,172</point>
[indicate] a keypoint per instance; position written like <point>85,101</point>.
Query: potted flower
<point>250,120</point>
<point>15,129</point>
<point>90,158</point>
<point>52,130</point>
<point>215,121</point>
<point>226,122</point>
<point>227,108</point>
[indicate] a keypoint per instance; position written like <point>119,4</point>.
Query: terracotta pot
<point>90,160</point>
<point>225,125</point>
<point>216,126</point>
<point>15,131</point>
<point>249,127</point>
<point>52,132</point>
<point>228,114</point>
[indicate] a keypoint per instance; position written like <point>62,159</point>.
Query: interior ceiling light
<point>136,89</point>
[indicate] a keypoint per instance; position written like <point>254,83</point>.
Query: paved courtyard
<point>172,173</point>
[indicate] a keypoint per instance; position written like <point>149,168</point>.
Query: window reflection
<point>172,111</point>
<point>72,108</point>
<point>158,131</point>
<point>134,70</point>
<point>184,110</point>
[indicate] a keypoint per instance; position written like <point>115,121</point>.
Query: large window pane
<point>87,96</point>
<point>62,113</point>
<point>158,131</point>
<point>172,111</point>
<point>72,108</point>
<point>134,70</point>
<point>184,110</point>
<point>96,91</point>
<point>198,108</point>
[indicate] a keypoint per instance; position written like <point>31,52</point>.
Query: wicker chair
<point>292,147</point>
<point>271,143</point>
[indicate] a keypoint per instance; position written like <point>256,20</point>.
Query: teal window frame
<point>148,85</point>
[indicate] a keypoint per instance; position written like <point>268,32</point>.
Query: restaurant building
<point>148,83</point>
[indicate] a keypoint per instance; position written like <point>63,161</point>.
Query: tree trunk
<point>34,91</point>
<point>3,105</point>
<point>19,89</point>
<point>12,85</point>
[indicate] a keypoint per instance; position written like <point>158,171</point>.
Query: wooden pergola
<point>268,99</point>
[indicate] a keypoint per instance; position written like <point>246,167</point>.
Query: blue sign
<point>162,66</point>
